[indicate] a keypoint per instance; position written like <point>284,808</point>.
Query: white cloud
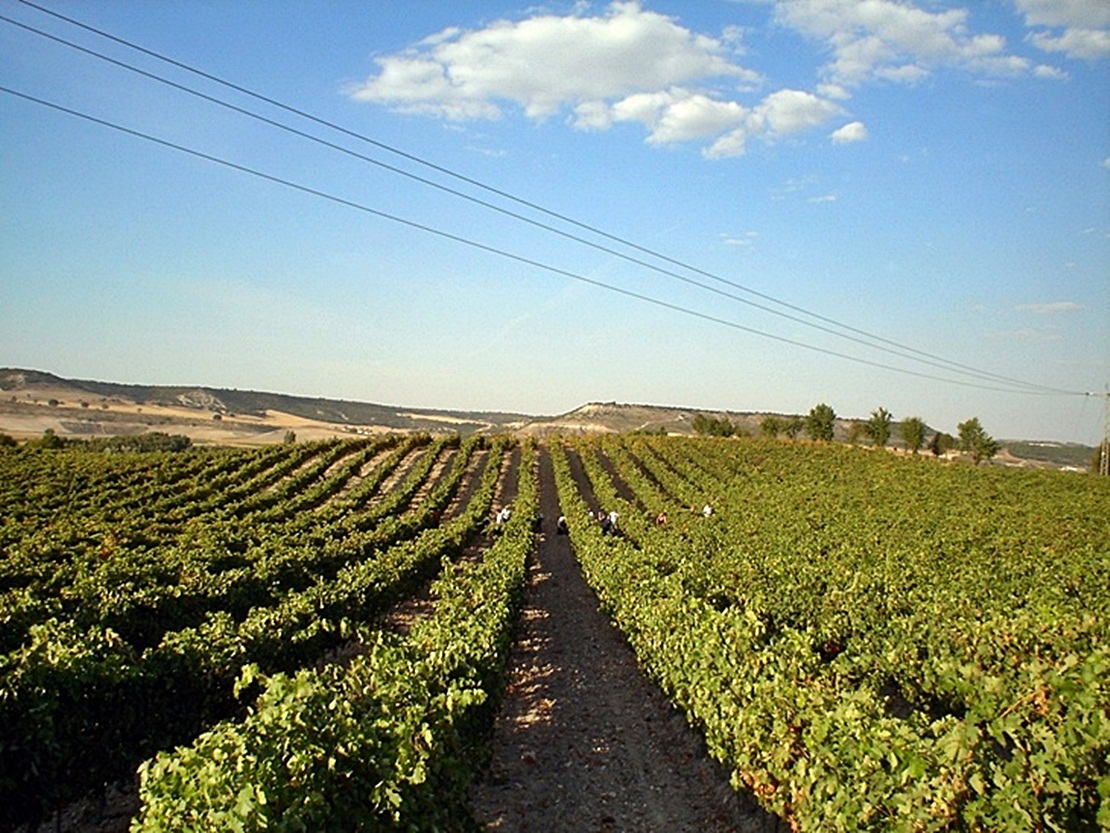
<point>780,113</point>
<point>626,64</point>
<point>696,117</point>
<point>1051,73</point>
<point>1050,308</point>
<point>855,131</point>
<point>1085,26</point>
<point>1071,13</point>
<point>745,240</point>
<point>894,41</point>
<point>734,143</point>
<point>546,62</point>
<point>674,115</point>
<point>1075,43</point>
<point>791,111</point>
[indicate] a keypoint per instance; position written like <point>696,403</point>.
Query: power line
<point>880,343</point>
<point>943,365</point>
<point>482,246</point>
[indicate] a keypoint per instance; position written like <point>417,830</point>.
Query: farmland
<point>316,632</point>
<point>867,642</point>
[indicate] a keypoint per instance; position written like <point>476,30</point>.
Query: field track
<point>583,741</point>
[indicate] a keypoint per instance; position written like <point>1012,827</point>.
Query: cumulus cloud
<point>894,41</point>
<point>1075,43</point>
<point>1078,28</point>
<point>676,115</point>
<point>855,131</point>
<point>626,64</point>
<point>544,62</point>
<point>1049,72</point>
<point>780,113</point>
<point>1075,13</point>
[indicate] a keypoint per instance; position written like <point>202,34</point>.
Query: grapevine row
<point>850,679</point>
<point>72,688</point>
<point>386,742</point>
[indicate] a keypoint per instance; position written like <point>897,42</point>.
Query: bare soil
<point>583,741</point>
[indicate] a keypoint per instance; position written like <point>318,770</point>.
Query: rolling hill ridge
<point>33,401</point>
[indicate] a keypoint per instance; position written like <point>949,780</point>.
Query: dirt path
<point>583,741</point>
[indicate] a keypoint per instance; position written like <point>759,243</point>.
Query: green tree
<point>878,428</point>
<point>48,440</point>
<point>856,432</point>
<point>713,426</point>
<point>941,443</point>
<point>912,430</point>
<point>771,426</point>
<point>819,424</point>
<point>793,427</point>
<point>976,441</point>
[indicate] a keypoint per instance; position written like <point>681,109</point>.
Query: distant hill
<point>33,401</point>
<point>617,417</point>
<point>614,417</point>
<point>97,405</point>
<point>1061,455</point>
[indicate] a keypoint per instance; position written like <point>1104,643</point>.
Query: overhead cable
<point>475,244</point>
<point>884,344</point>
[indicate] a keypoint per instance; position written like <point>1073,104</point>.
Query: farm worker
<point>707,510</point>
<point>561,525</point>
<point>661,519</point>
<point>503,515</point>
<point>613,520</point>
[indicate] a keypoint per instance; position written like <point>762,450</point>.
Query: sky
<point>756,205</point>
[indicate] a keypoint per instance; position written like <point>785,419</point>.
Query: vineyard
<point>313,636</point>
<point>867,642</point>
<point>234,625</point>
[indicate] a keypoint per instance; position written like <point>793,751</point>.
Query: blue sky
<point>861,202</point>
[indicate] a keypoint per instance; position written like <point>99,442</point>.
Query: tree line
<point>820,422</point>
<point>151,441</point>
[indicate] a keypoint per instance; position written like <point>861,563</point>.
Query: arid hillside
<point>32,402</point>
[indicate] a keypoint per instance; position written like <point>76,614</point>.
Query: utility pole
<point>1104,451</point>
<point>1104,446</point>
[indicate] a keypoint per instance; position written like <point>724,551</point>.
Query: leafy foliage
<point>135,589</point>
<point>712,426</point>
<point>878,427</point>
<point>384,743</point>
<point>820,422</point>
<point>858,667</point>
<point>976,441</point>
<point>912,431</point>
